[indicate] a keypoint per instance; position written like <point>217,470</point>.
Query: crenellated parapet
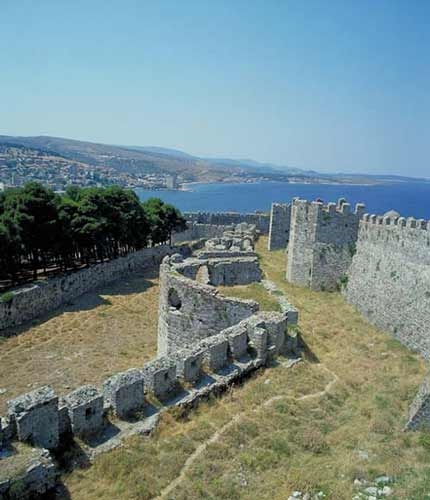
<point>405,235</point>
<point>322,242</point>
<point>389,277</point>
<point>260,219</point>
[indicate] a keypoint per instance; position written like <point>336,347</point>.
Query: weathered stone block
<point>36,417</point>
<point>216,348</point>
<point>279,230</point>
<point>258,342</point>
<point>160,376</point>
<point>292,343</point>
<point>34,481</point>
<point>234,271</point>
<point>292,315</point>
<point>237,337</point>
<point>419,412</point>
<point>8,428</point>
<point>4,486</point>
<point>123,392</point>
<point>85,406</point>
<point>276,325</point>
<point>289,310</point>
<point>189,364</point>
<point>64,424</point>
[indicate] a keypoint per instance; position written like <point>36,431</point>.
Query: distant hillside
<point>132,163</point>
<point>122,159</point>
<point>163,151</point>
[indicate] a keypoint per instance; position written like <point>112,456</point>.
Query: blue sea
<point>409,199</point>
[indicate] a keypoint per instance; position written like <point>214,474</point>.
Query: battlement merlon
<point>369,220</point>
<point>341,207</point>
<point>322,240</point>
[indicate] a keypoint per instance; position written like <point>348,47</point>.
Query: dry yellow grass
<point>100,334</point>
<point>301,428</point>
<point>255,291</point>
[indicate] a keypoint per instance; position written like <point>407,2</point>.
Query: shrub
<point>6,297</point>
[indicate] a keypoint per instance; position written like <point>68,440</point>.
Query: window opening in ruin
<point>174,299</point>
<point>88,413</point>
<point>166,376</point>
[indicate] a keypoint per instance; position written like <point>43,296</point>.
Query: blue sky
<point>334,85</point>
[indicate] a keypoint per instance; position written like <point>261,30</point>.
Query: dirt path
<point>219,433</point>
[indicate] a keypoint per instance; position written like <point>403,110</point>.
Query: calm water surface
<point>410,199</point>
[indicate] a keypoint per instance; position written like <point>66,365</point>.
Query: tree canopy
<point>42,230</point>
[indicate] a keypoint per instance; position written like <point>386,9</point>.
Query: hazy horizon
<point>332,86</point>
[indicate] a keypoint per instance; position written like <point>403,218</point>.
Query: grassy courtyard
<point>101,333</point>
<point>316,426</point>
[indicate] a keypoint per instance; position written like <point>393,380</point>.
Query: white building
<point>171,182</point>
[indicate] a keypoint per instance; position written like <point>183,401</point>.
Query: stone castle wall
<point>33,301</point>
<point>279,228</point>
<point>322,243</point>
<point>389,279</point>
<point>190,311</point>
<point>197,231</point>
<point>261,220</point>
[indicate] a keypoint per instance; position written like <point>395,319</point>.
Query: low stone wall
<point>196,231</point>
<point>33,301</point>
<point>233,271</point>
<point>190,311</point>
<point>261,220</point>
<point>36,476</point>
<point>190,308</point>
<point>42,419</point>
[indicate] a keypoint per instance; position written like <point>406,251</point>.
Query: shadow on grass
<point>90,300</point>
<point>59,493</point>
<point>308,354</point>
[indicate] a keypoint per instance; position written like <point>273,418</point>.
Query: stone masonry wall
<point>389,279</point>
<point>322,243</point>
<point>261,220</point>
<point>33,301</point>
<point>279,230</point>
<point>41,418</point>
<point>190,311</point>
<point>196,231</point>
<point>419,410</point>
